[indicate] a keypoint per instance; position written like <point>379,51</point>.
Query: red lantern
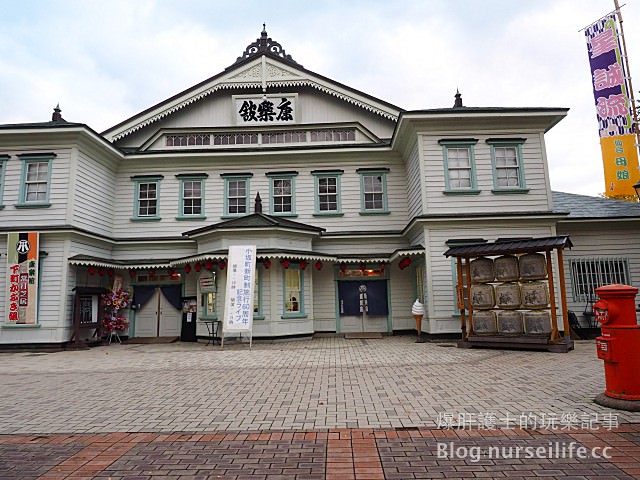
<point>363,267</point>
<point>92,271</point>
<point>132,273</point>
<point>208,265</point>
<point>101,272</point>
<point>187,268</point>
<point>198,267</point>
<point>404,263</point>
<point>110,272</point>
<point>222,264</point>
<point>171,271</point>
<point>266,262</point>
<point>381,268</point>
<point>318,265</point>
<point>303,264</point>
<point>285,263</point>
<point>152,272</point>
<point>343,267</point>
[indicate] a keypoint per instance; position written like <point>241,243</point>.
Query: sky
<point>104,61</point>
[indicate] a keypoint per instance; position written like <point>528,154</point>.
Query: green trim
<point>514,143</point>
<point>181,214</point>
<point>328,214</point>
<point>137,181</point>
<point>231,178</point>
<point>461,192</point>
<point>289,176</point>
<point>509,191</point>
<point>469,144</point>
<point>301,313</point>
<point>374,213</point>
<point>189,218</point>
<point>337,174</point>
<point>374,173</point>
<point>27,159</point>
<point>3,162</point>
<point>19,326</point>
<point>336,275</point>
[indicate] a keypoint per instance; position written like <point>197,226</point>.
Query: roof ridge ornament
<point>264,44</point>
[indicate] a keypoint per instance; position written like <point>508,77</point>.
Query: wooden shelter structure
<point>533,272</point>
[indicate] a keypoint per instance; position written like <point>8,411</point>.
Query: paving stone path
<point>321,408</point>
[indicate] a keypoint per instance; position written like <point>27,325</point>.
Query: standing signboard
<point>22,278</point>
<point>238,302</point>
<point>611,92</point>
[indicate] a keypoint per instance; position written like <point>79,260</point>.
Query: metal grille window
<point>147,199</point>
<point>282,195</point>
<point>459,167</point>
<point>237,196</point>
<point>587,274</point>
<point>192,197</point>
<point>37,181</point>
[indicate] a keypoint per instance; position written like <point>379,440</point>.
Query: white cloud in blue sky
<point>106,61</point>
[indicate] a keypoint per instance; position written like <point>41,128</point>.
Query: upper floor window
<point>327,186</point>
<point>147,197</point>
<point>3,160</point>
<point>506,158</point>
<point>236,198</point>
<point>459,165</point>
<point>191,196</point>
<point>282,189</point>
<point>36,180</point>
<point>373,190</point>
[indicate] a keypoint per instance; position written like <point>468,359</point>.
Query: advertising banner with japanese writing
<point>238,303</point>
<point>22,278</point>
<point>610,89</point>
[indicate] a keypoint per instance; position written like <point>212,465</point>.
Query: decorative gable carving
<point>252,73</point>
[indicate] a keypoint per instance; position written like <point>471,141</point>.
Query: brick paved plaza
<point>321,408</point>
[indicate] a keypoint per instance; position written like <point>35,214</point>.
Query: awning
<point>89,261</point>
<point>506,247</point>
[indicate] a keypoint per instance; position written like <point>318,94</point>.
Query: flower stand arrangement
<point>113,323</point>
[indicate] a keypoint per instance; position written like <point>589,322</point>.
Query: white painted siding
<point>95,193</point>
<point>222,241</point>
<point>153,251</point>
<point>414,184</point>
<point>601,239</point>
<point>58,191</point>
<point>324,299</point>
<point>355,246</point>
<point>402,287</point>
<point>486,201</point>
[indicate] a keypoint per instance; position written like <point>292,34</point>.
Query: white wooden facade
<point>92,231</point>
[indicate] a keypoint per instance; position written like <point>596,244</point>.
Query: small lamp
<point>636,187</point>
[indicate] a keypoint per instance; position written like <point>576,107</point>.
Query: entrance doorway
<point>354,296</point>
<point>157,317</point>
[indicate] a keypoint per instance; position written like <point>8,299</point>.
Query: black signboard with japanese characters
<point>265,110</point>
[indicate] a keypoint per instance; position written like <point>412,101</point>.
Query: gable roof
<point>585,207</point>
<point>253,221</point>
<point>264,64</point>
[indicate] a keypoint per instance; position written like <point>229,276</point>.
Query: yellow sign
<point>620,158</point>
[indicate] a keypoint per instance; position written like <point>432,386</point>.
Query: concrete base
<point>617,403</point>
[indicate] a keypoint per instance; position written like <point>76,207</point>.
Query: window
<point>191,196</point>
<point>236,197</point>
<point>3,159</point>
<point>459,166</point>
<point>36,180</point>
<point>147,190</point>
<point>373,186</point>
<point>282,189</point>
<point>587,274</point>
<point>208,290</point>
<point>293,292</point>
<point>506,158</point>
<point>327,186</point>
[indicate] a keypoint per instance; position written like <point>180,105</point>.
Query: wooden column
<point>460,299</point>
<point>563,295</point>
<point>554,316</point>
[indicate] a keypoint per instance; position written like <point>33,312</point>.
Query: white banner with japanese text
<point>238,302</point>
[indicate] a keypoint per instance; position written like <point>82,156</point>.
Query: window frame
<point>3,169</point>
<point>246,177</point>
<point>508,143</point>
<point>301,310</point>
<point>273,177</point>
<point>138,180</point>
<point>373,172</point>
<point>468,143</point>
<point>182,178</point>
<point>204,297</point>
<point>28,159</point>
<point>323,174</point>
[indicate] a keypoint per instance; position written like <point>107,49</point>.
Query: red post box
<point>619,345</point>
